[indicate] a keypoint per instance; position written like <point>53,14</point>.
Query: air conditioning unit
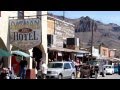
<point>73,43</point>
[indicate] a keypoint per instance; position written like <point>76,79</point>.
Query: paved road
<point>114,76</point>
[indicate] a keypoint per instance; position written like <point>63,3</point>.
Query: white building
<point>96,52</point>
<point>4,32</point>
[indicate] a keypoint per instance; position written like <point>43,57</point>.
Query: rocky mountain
<point>108,34</point>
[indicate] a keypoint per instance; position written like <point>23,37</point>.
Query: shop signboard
<point>25,33</point>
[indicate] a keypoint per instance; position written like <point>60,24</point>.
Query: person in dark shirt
<point>118,68</point>
<point>23,68</point>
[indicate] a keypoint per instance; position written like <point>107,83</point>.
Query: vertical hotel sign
<point>25,33</point>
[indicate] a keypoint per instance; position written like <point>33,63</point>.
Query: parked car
<point>61,70</point>
<point>97,67</point>
<point>93,67</point>
<point>109,69</point>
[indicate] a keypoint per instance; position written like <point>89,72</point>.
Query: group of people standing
<point>40,66</point>
<point>36,66</point>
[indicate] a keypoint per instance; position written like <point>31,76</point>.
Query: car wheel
<point>60,77</point>
<point>73,76</point>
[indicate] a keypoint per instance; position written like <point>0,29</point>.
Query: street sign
<point>25,33</point>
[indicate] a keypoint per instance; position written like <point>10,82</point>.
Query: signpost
<point>25,33</point>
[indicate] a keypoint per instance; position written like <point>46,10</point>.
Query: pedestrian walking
<point>35,67</point>
<point>77,66</point>
<point>23,68</point>
<point>44,70</point>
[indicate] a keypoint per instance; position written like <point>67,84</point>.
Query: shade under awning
<point>4,53</point>
<point>67,50</point>
<point>21,53</point>
<point>79,55</point>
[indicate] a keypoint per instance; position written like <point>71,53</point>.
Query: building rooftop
<point>53,18</point>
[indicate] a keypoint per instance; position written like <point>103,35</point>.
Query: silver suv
<point>61,70</point>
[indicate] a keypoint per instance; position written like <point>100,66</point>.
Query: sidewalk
<point>17,77</point>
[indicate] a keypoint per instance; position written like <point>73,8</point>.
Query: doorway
<point>37,54</point>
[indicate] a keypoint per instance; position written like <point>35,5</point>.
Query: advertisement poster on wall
<point>25,33</point>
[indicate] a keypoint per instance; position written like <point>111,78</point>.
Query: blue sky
<point>104,16</point>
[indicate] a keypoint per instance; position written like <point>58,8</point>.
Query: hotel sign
<point>25,33</point>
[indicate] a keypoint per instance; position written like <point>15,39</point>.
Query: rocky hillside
<point>108,34</point>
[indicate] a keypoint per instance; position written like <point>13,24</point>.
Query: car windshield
<point>92,62</point>
<point>55,65</point>
<point>108,66</point>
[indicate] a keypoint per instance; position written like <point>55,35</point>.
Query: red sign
<point>15,65</point>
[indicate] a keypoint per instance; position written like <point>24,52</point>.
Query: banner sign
<point>25,33</point>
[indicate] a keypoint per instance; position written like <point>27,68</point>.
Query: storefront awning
<point>4,53</point>
<point>21,53</point>
<point>61,49</point>
<point>105,58</point>
<point>115,59</point>
<point>67,50</point>
<point>78,55</point>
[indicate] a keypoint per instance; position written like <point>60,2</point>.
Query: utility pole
<point>92,27</point>
<point>63,15</point>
